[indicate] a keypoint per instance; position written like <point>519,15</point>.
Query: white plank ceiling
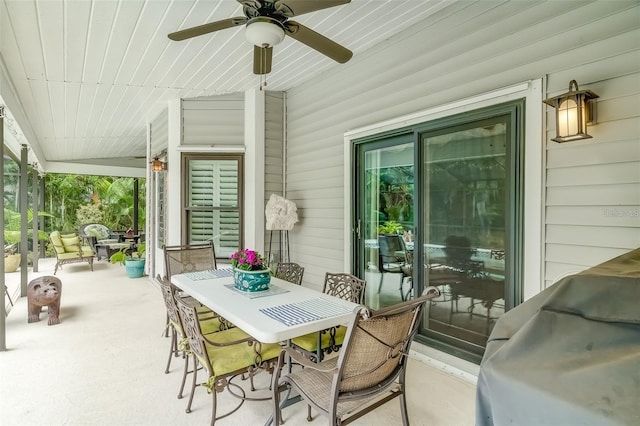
<point>89,74</point>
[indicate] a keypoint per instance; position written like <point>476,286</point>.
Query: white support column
<point>3,323</point>
<point>174,181</point>
<point>254,134</point>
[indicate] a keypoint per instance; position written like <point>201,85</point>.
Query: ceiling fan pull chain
<point>263,59</point>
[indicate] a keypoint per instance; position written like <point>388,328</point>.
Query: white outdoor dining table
<point>244,311</point>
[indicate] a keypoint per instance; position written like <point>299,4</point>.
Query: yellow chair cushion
<point>57,242</point>
<point>207,326</point>
<point>228,359</point>
<point>309,342</point>
<point>71,244</point>
<point>71,255</point>
<point>86,251</point>
<point>203,310</point>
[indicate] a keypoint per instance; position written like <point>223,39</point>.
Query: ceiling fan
<point>267,22</point>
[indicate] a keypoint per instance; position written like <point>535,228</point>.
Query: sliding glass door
<point>441,205</point>
<point>470,215</point>
<point>385,206</point>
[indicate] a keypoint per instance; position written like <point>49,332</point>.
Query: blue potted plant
<point>133,261</point>
<point>250,271</point>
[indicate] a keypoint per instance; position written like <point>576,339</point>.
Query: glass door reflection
<point>464,224</point>
<point>385,212</point>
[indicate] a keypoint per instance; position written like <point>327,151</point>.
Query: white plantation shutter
<point>214,195</point>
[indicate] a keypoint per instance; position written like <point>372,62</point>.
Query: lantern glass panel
<point>568,118</point>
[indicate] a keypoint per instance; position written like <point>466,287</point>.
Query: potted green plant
<point>390,227</point>
<point>133,261</point>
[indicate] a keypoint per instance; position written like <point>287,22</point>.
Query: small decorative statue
<point>44,291</point>
<point>281,214</point>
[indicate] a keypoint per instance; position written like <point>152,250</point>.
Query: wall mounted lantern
<point>574,110</point>
<point>158,166</point>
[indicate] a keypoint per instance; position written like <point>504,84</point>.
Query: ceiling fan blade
<point>207,28</point>
<point>262,59</point>
<point>317,41</point>
<point>290,8</point>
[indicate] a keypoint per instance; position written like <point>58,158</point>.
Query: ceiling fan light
<point>264,32</point>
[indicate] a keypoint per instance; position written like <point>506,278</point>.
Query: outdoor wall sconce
<point>574,110</point>
<point>158,166</point>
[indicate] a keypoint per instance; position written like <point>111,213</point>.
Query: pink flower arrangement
<point>248,260</point>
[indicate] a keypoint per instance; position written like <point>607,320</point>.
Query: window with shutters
<point>212,201</point>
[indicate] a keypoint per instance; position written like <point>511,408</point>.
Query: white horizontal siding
<point>590,195</point>
<point>274,156</point>
<point>472,49</point>
<point>159,133</point>
<point>215,120</point>
<point>626,237</point>
<point>593,186</point>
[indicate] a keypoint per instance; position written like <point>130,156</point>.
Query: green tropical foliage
<point>390,227</point>
<point>124,254</point>
<point>71,201</point>
<point>89,213</point>
<point>394,204</point>
<point>78,199</point>
<point>12,226</point>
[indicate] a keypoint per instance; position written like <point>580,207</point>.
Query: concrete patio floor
<point>104,365</point>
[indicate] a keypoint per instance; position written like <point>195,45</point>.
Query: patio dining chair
<point>392,258</point>
<point>209,323</point>
<point>347,287</point>
<point>290,271</point>
<point>223,356</point>
<point>370,370</point>
<point>188,258</point>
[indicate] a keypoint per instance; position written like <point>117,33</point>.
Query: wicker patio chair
<point>100,239</point>
<point>69,249</point>
<point>290,271</point>
<point>223,356</point>
<point>209,323</point>
<point>347,287</point>
<point>370,370</point>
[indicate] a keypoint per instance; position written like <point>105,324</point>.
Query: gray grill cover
<point>568,356</point>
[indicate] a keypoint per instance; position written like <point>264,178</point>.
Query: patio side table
<point>107,249</point>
